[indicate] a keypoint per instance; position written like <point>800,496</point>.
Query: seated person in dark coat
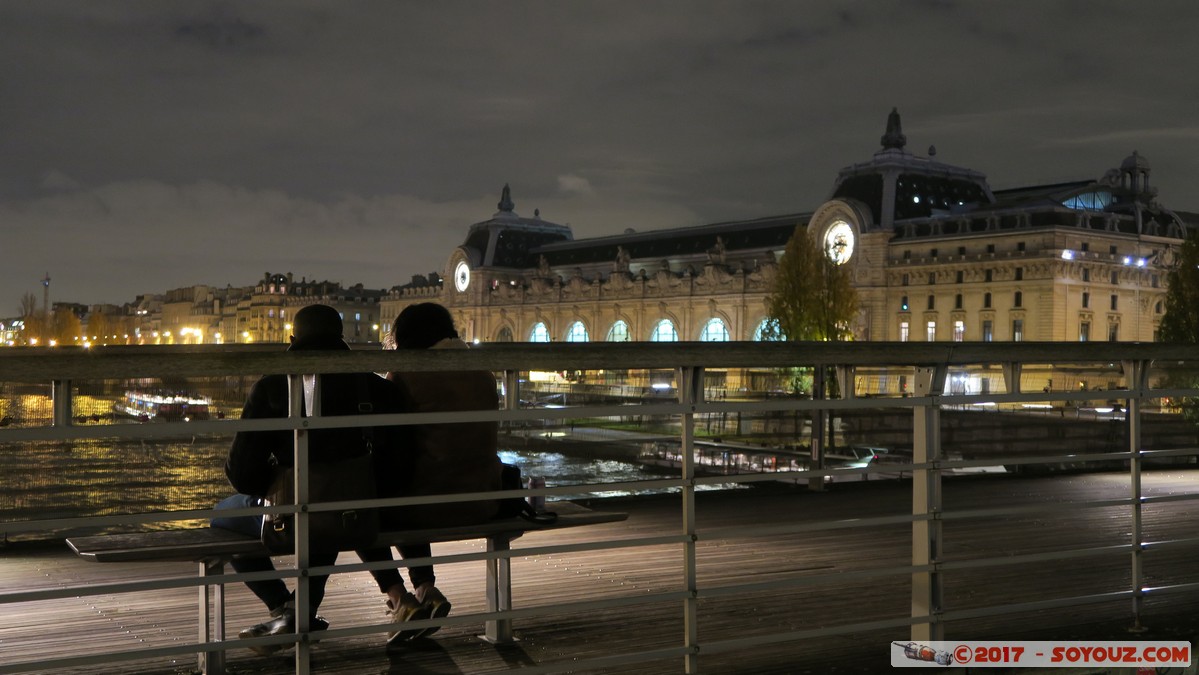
<point>257,457</point>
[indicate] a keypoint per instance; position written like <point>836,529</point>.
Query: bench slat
<point>183,545</point>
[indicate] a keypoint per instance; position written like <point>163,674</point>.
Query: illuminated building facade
<point>935,254</point>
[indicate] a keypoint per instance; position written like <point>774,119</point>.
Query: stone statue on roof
<point>716,253</point>
<point>622,260</point>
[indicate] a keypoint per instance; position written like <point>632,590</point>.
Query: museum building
<point>934,252</point>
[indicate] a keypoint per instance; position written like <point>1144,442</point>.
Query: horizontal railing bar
<point>292,572</point>
<point>1172,452</point>
<point>316,507</point>
<point>1029,509</point>
<point>144,585</point>
<point>735,532</point>
<point>1034,606</point>
<point>535,612</point>
<point>1172,589</point>
<point>812,580</point>
<point>1164,544</point>
<point>625,658</point>
<point>97,658</point>
<point>523,552</point>
<point>1021,558</point>
<point>232,426</point>
<point>44,364</point>
<point>719,646</point>
<point>1163,499</point>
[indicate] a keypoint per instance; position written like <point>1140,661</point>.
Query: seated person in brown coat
<point>441,459</point>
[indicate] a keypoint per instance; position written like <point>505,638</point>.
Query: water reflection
<point>62,479</point>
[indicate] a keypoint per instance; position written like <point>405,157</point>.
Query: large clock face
<point>838,242</point>
<point>461,276</point>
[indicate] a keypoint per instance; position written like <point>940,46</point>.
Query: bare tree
<point>28,305</point>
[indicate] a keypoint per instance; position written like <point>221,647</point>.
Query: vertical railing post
<point>60,397</point>
<point>1134,372</point>
<point>926,505</point>
<point>511,389</point>
<point>302,389</point>
<point>212,624</point>
<point>819,417</point>
<point>690,381</point>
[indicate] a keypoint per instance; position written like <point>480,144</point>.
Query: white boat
<point>152,406</point>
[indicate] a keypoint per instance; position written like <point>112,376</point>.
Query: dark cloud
<point>220,28</point>
<point>251,136</point>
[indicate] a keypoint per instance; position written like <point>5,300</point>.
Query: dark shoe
<point>409,609</point>
<point>283,621</point>
<point>436,604</point>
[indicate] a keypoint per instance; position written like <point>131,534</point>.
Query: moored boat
<point>156,406</point>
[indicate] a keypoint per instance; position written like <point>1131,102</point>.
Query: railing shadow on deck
<point>669,387</point>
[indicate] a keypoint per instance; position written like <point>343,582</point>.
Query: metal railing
<point>1147,372</point>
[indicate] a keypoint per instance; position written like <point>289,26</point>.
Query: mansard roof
<point>1053,193</point>
<point>923,186</point>
<point>687,242</point>
<point>504,240</point>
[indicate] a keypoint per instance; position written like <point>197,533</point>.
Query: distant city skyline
<point>149,146</point>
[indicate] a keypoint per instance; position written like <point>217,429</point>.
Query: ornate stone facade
<point>935,254</point>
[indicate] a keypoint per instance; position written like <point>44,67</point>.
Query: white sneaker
<point>435,603</point>
<point>409,609</point>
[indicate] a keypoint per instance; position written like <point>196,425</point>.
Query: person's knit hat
<point>423,325</point>
<point>317,327</point>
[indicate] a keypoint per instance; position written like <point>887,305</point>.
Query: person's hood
<point>450,343</point>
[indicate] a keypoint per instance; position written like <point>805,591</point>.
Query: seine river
<point>71,479</point>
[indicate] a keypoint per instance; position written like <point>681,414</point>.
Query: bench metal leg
<point>212,625</point>
<point>499,592</point>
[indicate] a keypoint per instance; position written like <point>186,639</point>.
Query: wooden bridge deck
<point>94,624</point>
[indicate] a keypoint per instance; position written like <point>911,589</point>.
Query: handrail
<point>689,361</point>
<point>45,364</point>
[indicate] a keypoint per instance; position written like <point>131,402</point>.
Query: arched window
<point>577,332</point>
<point>714,331</point>
<point>764,333</point>
<point>619,332</point>
<point>505,335</point>
<point>664,332</point>
<point>539,333</point>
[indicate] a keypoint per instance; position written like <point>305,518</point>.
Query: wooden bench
<point>212,548</point>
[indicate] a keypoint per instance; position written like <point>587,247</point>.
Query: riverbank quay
<point>859,578</point>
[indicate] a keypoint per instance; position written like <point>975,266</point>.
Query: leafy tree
<point>1181,320</point>
<point>813,298</point>
<point>99,327</point>
<point>65,326</point>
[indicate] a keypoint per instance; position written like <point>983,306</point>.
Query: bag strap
<point>365,407</point>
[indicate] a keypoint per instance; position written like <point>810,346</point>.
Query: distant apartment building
<point>264,312</point>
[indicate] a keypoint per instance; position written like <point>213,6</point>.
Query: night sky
<point>153,145</point>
